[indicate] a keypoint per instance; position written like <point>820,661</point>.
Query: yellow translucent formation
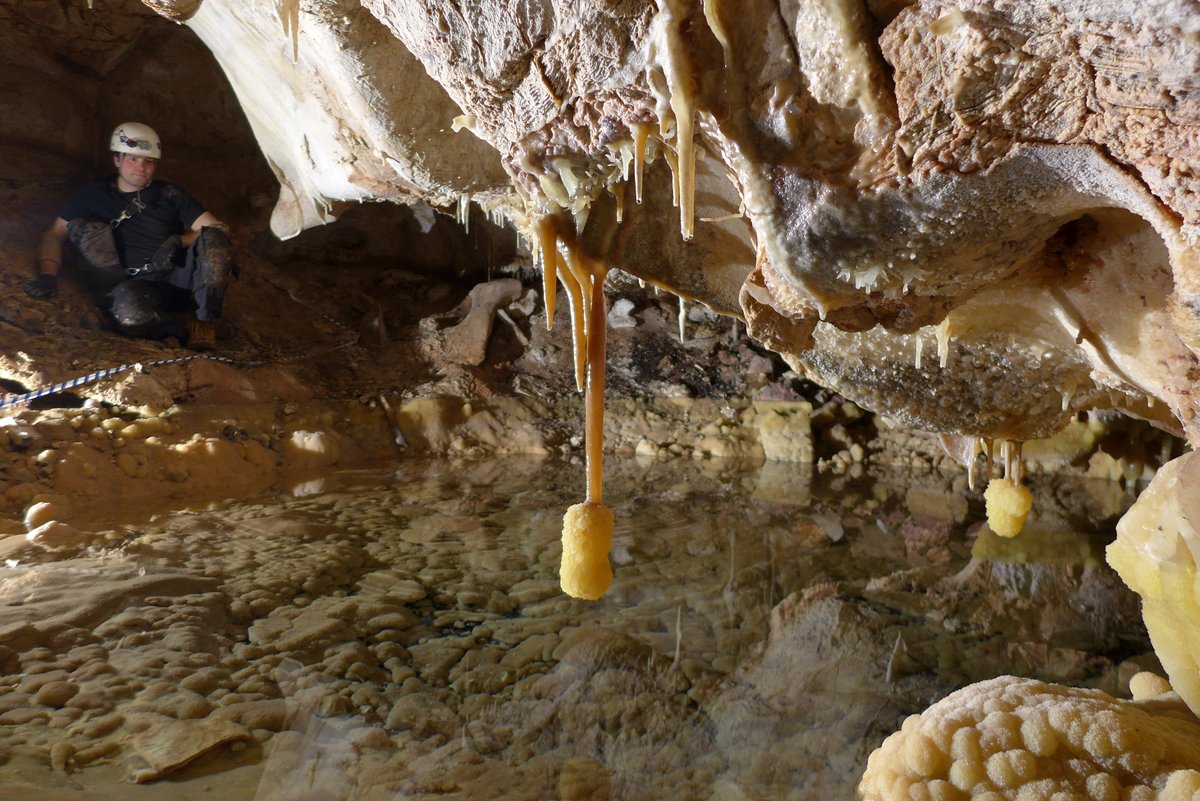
<point>547,246</point>
<point>1038,544</point>
<point>1008,503</point>
<point>1148,685</point>
<point>1155,554</point>
<point>588,526</point>
<point>1011,739</point>
<point>586,540</point>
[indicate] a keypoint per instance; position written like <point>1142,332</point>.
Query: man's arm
<point>205,220</point>
<point>50,253</point>
<point>49,259</point>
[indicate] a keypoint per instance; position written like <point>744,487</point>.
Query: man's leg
<point>207,271</point>
<point>205,275</point>
<point>138,306</point>
<point>93,241</point>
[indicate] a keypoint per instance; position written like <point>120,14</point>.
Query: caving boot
<point>202,335</point>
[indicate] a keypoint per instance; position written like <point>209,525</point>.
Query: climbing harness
<point>136,204</point>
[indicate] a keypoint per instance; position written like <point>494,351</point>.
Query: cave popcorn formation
<point>586,540</point>
<point>1008,500</point>
<point>1008,503</point>
<point>1012,739</point>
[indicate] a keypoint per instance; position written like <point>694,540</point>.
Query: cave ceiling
<point>978,218</point>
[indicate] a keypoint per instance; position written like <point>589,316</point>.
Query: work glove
<point>168,256</point>
<point>44,286</point>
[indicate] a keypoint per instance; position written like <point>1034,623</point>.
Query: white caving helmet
<point>135,138</point>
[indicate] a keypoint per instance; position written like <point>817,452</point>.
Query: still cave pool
<point>399,633</point>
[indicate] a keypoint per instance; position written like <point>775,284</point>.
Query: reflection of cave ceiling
<point>976,218</point>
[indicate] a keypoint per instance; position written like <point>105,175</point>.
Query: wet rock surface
<point>379,633</point>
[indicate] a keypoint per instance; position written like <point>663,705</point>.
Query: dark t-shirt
<point>169,210</point>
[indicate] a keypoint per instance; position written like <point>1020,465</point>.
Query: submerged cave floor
<point>399,632</point>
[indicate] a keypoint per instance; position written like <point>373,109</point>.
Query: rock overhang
<point>981,180</point>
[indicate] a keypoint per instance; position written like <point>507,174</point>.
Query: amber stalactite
<point>588,526</point>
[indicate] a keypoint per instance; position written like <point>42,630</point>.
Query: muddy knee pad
<point>132,306</point>
<point>210,262</point>
<point>94,242</point>
<point>214,257</point>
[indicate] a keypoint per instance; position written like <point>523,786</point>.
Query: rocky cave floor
<point>407,639</point>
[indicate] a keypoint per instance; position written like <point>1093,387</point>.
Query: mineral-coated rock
<point>168,746</point>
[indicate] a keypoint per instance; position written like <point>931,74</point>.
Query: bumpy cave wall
<point>931,207</point>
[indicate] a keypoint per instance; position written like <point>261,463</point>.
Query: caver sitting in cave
<point>148,249</point>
